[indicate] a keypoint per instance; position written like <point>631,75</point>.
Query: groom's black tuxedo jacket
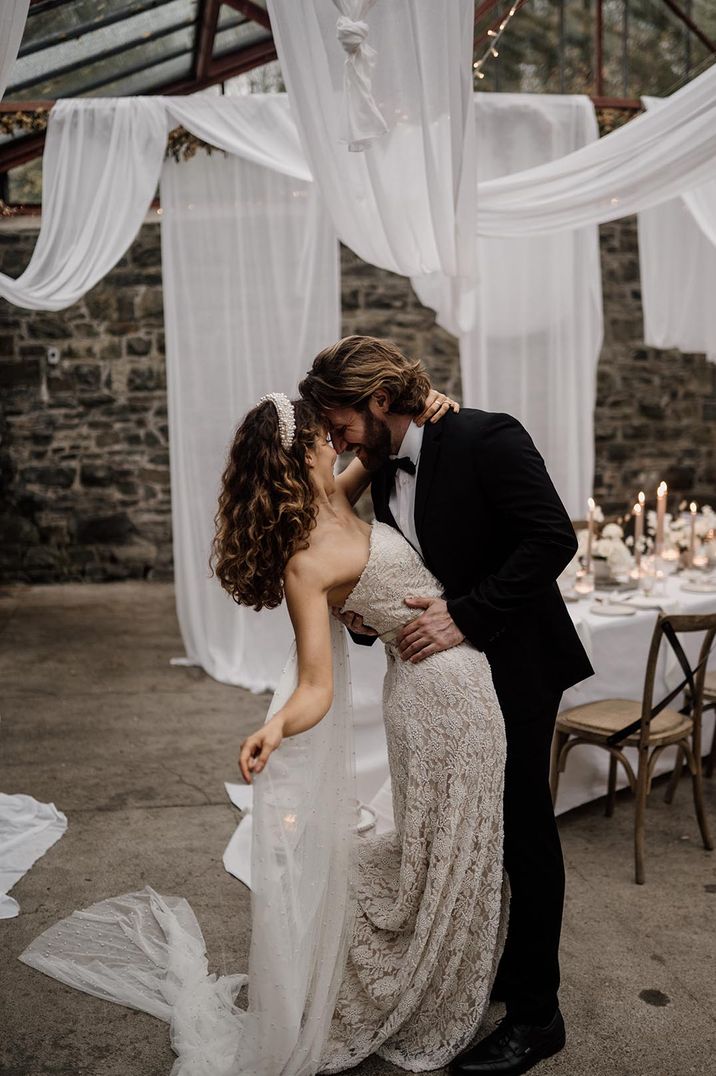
<point>495,533</point>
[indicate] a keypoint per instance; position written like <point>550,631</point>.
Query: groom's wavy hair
<point>266,505</point>
<point>347,373</point>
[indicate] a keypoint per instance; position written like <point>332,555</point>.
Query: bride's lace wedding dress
<point>386,944</point>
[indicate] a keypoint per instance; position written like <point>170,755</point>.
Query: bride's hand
<point>257,747</point>
<point>437,404</point>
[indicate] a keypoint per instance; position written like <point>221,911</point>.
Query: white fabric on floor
<point>406,203</point>
<point>677,260</point>
<point>660,154</point>
<point>535,345</point>
<point>100,171</point>
<point>27,829</point>
<point>13,16</point>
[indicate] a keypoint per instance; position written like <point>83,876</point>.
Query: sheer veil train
<point>147,951</point>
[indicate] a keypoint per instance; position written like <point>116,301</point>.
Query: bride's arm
<point>313,696</point>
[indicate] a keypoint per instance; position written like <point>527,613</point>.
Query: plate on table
<point>612,609</point>
<point>643,601</point>
<point>699,586</point>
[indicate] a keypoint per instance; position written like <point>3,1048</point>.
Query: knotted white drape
<point>407,204</point>
<point>364,120</point>
<point>677,259</point>
<point>13,16</point>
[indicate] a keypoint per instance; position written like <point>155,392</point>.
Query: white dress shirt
<point>402,497</point>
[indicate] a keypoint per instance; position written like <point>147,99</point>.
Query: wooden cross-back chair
<point>649,727</point>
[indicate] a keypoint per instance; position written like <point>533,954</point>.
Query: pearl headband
<point>286,416</point>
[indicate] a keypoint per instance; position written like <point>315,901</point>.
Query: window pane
<point>44,28</point>
<point>24,184</point>
<point>238,37</point>
<point>94,76</point>
<point>81,51</point>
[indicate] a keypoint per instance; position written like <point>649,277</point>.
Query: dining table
<point>616,633</point>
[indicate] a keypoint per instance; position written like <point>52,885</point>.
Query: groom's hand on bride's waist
<point>434,630</point>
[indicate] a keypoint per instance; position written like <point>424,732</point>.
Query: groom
<point>472,494</point>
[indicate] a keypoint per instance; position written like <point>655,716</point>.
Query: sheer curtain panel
<point>677,261</point>
<point>535,346</point>
<point>251,293</point>
<point>13,16</point>
<point>407,203</point>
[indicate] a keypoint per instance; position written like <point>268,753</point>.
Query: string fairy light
<point>495,36</point>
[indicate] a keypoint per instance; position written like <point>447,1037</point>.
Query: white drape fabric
<point>147,951</point>
<point>535,345</point>
<point>406,204</point>
<point>13,16</point>
<point>364,120</point>
<point>251,294</point>
<point>27,829</point>
<point>100,172</point>
<point>258,127</point>
<point>677,259</point>
<point>656,156</point>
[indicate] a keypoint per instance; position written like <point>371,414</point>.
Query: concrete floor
<point>136,751</point>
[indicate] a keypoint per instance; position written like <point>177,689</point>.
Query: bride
<point>385,944</point>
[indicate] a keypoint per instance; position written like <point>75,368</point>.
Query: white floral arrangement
<point>611,547</point>
<point>677,529</point>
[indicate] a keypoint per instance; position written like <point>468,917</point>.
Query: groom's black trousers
<point>528,975</point>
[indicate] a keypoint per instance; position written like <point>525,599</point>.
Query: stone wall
<point>84,461</point>
<point>84,464</point>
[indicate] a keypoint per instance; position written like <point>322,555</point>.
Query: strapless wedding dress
<point>386,944</point>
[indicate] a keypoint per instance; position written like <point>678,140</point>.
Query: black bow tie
<point>403,464</point>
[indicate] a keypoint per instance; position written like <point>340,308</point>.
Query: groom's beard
<point>376,445</point>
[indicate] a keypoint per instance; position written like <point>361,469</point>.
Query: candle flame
<point>662,490</point>
<point>637,509</point>
<point>642,497</point>
<point>591,505</point>
<point>693,506</point>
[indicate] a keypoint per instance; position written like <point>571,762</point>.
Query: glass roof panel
<point>145,81</point>
<point>97,72</point>
<point>45,27</point>
<point>73,66</point>
<point>239,36</point>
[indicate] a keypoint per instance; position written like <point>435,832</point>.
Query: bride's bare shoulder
<point>309,569</point>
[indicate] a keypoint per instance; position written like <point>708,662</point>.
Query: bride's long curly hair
<point>266,505</point>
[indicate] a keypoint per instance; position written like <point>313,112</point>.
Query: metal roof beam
<point>688,21</point>
<point>205,34</point>
<point>251,11</point>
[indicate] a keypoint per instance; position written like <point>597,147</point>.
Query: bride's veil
<point>147,951</point>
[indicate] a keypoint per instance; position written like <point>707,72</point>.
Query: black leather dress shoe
<point>511,1049</point>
